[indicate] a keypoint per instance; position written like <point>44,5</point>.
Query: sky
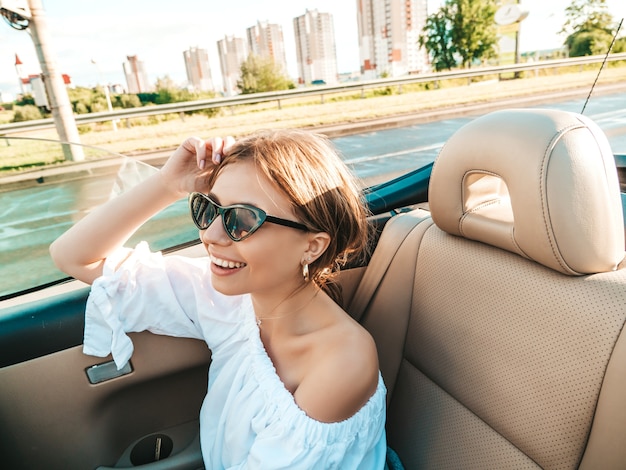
<point>158,31</point>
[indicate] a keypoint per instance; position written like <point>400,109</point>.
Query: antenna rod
<point>602,66</point>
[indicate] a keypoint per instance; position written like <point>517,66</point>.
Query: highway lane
<point>31,218</point>
<point>395,151</point>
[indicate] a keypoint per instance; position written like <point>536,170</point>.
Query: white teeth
<point>226,264</point>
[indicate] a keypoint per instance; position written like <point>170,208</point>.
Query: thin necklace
<point>259,320</point>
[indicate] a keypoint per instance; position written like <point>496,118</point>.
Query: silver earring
<point>305,272</point>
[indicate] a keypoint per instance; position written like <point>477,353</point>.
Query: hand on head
<point>218,147</point>
<point>192,163</point>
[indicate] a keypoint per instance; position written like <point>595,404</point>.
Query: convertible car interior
<point>497,299</point>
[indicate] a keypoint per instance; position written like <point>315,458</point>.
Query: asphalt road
<point>377,154</point>
<point>33,215</point>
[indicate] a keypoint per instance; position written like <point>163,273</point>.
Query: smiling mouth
<point>222,263</point>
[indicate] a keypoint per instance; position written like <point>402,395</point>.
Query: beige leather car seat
<point>500,325</point>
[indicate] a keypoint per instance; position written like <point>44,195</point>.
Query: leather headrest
<point>540,183</point>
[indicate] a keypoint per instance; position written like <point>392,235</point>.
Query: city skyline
<point>108,35</point>
<point>161,52</point>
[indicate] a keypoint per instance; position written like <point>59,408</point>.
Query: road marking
<point>424,148</point>
<point>608,115</point>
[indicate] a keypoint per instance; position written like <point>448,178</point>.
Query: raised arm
<point>81,251</point>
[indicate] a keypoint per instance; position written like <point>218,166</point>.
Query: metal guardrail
<point>279,96</point>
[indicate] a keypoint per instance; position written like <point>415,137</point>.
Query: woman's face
<point>268,262</point>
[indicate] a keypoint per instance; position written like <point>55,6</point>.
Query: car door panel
<point>43,326</point>
<point>52,417</point>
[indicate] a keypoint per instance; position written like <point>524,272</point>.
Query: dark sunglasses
<point>239,220</point>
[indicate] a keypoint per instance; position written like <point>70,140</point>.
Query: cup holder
<point>151,449</point>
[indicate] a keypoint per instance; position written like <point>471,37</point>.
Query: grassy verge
<point>156,133</point>
<point>6,116</point>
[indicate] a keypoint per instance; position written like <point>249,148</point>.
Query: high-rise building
<point>232,53</point>
<point>198,69</point>
<point>315,47</point>
<point>136,75</point>
<point>389,31</point>
<point>266,40</point>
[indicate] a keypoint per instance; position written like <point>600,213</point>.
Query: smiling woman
<point>292,375</point>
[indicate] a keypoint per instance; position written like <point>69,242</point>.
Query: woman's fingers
<point>228,142</point>
<point>202,149</point>
<point>219,146</point>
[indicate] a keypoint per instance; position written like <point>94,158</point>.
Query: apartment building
<point>266,40</point>
<point>198,69</point>
<point>232,52</point>
<point>315,48</point>
<point>136,76</point>
<point>389,31</point>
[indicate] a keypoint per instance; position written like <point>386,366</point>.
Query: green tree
<point>589,43</point>
<point>589,27</point>
<point>463,29</point>
<point>81,99</point>
<point>259,74</point>
<point>27,112</point>
<point>87,100</point>
<point>620,45</point>
<point>168,92</point>
<point>127,101</point>
<point>99,102</point>
<point>473,29</point>
<point>437,39</point>
<point>25,99</point>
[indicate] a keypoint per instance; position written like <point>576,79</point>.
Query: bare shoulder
<point>343,374</point>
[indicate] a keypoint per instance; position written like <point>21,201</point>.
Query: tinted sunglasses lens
<point>240,222</point>
<point>203,211</point>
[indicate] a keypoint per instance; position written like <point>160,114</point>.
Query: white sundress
<point>248,418</point>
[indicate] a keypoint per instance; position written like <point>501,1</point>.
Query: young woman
<point>294,381</point>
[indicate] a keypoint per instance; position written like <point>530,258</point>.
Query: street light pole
<point>57,94</point>
<point>107,93</point>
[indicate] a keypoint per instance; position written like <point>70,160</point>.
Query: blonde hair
<point>324,193</point>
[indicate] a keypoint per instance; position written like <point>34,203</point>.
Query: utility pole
<point>29,15</point>
<point>57,94</point>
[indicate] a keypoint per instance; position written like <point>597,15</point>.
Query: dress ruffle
<point>104,330</point>
<point>293,417</point>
